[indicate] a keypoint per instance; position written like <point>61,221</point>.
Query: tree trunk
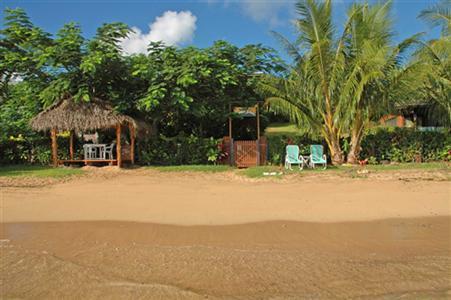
<point>356,139</point>
<point>336,154</point>
<point>332,135</point>
<point>354,151</point>
<point>333,142</point>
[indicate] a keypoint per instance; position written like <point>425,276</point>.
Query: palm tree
<point>310,93</point>
<point>376,69</point>
<point>438,14</point>
<point>435,60</point>
<point>337,85</point>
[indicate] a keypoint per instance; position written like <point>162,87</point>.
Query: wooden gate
<point>245,153</point>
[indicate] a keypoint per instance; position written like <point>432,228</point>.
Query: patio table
<point>94,151</point>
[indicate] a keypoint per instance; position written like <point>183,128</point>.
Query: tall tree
<point>189,89</point>
<point>376,66</point>
<point>338,83</point>
<point>23,50</point>
<point>310,93</point>
<point>434,57</point>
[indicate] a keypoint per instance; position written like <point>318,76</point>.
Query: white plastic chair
<point>108,151</point>
<point>90,152</point>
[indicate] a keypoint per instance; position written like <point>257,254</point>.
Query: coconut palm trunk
<point>356,139</point>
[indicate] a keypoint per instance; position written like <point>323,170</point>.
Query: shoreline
<point>279,259</point>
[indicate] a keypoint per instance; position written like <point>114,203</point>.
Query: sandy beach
<point>220,199</point>
<point>196,236</point>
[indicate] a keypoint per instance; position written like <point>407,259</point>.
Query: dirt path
<point>214,199</point>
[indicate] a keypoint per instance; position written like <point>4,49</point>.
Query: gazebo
<point>78,117</point>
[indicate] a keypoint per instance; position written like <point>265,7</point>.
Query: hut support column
<point>71,145</point>
<point>257,113</point>
<point>118,146</point>
<point>258,122</point>
<point>132,143</point>
<point>230,121</point>
<point>230,136</point>
<point>54,147</point>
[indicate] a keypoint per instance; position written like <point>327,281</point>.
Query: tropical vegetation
<point>338,84</point>
<point>341,81</point>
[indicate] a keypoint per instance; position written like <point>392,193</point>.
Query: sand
<point>214,236</point>
<point>216,199</point>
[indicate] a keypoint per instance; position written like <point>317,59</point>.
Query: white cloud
<point>172,28</point>
<point>268,11</point>
<point>265,10</point>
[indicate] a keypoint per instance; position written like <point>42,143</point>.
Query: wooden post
<point>258,134</point>
<point>258,122</point>
<point>71,145</point>
<point>230,136</point>
<point>230,122</point>
<point>54,147</point>
<point>132,143</point>
<point>118,146</point>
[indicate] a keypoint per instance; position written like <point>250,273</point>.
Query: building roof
<point>81,116</point>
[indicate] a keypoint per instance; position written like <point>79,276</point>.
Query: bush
<point>179,150</point>
<point>406,145</point>
<point>390,144</point>
<point>31,148</point>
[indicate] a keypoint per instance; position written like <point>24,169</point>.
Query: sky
<point>199,22</point>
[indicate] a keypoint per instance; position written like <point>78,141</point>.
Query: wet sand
<point>198,236</point>
<point>397,258</point>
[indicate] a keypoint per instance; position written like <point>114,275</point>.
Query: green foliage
<point>189,90</point>
<point>23,50</point>
<point>381,144</point>
<point>339,81</point>
<point>179,150</point>
<point>18,143</point>
<point>438,15</point>
<point>177,91</point>
<point>283,128</point>
<point>406,145</point>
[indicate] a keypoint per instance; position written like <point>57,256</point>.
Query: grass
<point>282,129</point>
<point>253,172</point>
<point>194,168</point>
<point>37,171</point>
<point>258,172</point>
<point>411,166</point>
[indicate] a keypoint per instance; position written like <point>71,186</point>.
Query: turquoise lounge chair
<point>317,156</point>
<point>292,157</point>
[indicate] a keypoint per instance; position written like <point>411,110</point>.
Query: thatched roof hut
<point>68,115</point>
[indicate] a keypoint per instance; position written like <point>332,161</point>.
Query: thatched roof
<point>80,117</point>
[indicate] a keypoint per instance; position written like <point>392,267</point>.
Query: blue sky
<point>199,23</point>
